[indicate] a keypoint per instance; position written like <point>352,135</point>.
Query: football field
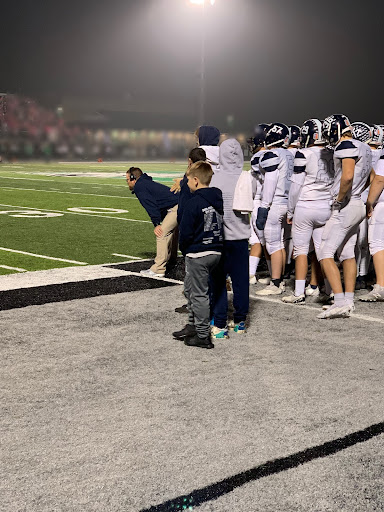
<point>57,215</point>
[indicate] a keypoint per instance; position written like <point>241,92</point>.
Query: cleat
<point>312,292</point>
<point>150,273</point>
<point>182,309</point>
<point>293,299</point>
<point>264,280</point>
<point>186,331</point>
<point>219,334</point>
<point>271,289</point>
<point>361,283</point>
<point>337,311</point>
<point>195,341</point>
<point>252,280</point>
<point>375,295</point>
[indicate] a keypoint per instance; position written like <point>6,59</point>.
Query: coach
<point>161,205</point>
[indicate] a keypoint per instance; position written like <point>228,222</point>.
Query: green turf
<point>91,238</point>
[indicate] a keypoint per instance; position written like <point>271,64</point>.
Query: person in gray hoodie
<point>234,261</point>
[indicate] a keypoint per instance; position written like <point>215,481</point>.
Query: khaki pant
<point>166,245</point>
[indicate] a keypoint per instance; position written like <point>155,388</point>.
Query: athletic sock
<point>349,297</point>
<point>276,282</point>
<point>253,264</point>
<point>339,299</point>
<point>299,287</point>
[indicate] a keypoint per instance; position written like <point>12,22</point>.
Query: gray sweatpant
<point>196,290</point>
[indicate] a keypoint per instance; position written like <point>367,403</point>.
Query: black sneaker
<point>361,283</point>
<point>182,309</point>
<point>187,331</point>
<point>195,341</point>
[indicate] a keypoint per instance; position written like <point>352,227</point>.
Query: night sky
<point>266,60</point>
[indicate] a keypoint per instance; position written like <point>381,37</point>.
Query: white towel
<point>243,197</point>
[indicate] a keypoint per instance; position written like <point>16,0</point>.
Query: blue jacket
<point>184,197</point>
<point>156,198</point>
<point>201,227</point>
<point>208,136</point>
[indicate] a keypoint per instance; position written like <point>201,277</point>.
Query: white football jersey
<point>379,170</point>
<point>257,175</point>
<point>293,151</point>
<point>276,164</point>
<point>361,153</point>
<point>317,164</point>
<point>376,153</point>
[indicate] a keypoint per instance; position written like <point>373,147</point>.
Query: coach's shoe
<point>150,273</point>
<point>312,292</point>
<point>271,289</point>
<point>264,280</point>
<point>375,295</point>
<point>185,332</point>
<point>293,299</point>
<point>252,280</point>
<point>239,328</point>
<point>195,341</point>
<point>182,309</point>
<point>219,334</point>
<point>361,283</point>
<point>335,311</point>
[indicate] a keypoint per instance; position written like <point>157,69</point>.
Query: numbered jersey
<point>379,170</point>
<point>257,175</point>
<point>277,167</point>
<point>362,155</point>
<point>376,153</point>
<point>317,164</point>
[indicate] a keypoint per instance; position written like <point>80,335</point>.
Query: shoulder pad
<point>345,144</point>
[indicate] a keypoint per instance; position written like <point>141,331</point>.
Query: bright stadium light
<point>201,119</point>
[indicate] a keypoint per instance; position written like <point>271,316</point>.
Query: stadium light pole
<point>201,118</point>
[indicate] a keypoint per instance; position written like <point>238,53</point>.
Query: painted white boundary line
<point>304,306</point>
<point>14,268</point>
<point>76,213</point>
<point>42,256</point>
<point>126,256</point>
<point>166,279</point>
<point>60,192</point>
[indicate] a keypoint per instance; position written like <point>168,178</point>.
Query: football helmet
<point>377,135</point>
<point>334,127</point>
<point>277,135</point>
<point>258,139</point>
<point>312,133</point>
<point>361,131</point>
<point>294,139</point>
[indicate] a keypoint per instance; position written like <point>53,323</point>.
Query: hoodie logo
<point>213,223</point>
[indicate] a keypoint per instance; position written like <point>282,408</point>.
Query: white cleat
<point>264,280</point>
<point>375,295</point>
<point>293,299</point>
<point>150,273</point>
<point>335,311</point>
<point>252,280</point>
<point>312,292</point>
<point>271,289</point>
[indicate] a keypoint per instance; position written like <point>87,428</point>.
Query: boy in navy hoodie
<point>201,242</point>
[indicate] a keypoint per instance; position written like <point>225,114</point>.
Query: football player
<point>276,164</point>
<point>353,162</point>
<point>309,200</point>
<point>256,146</point>
<point>375,213</point>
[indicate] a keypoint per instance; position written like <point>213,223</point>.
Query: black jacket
<point>201,227</point>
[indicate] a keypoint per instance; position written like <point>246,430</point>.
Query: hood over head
<point>231,157</point>
<point>208,136</point>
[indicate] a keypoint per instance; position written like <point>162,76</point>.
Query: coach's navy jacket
<point>155,198</point>
<point>201,227</point>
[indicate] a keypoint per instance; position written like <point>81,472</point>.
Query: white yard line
<point>126,256</point>
<point>55,191</point>
<point>14,268</point>
<point>303,306</point>
<point>77,213</point>
<point>66,181</point>
<point>43,256</point>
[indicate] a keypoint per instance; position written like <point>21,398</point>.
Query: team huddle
<point>314,191</point>
<point>319,188</point>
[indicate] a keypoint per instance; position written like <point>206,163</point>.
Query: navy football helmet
<point>277,135</point>
<point>361,131</point>
<point>334,127</point>
<point>258,139</point>
<point>312,133</point>
<point>295,138</point>
<point>377,135</point>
